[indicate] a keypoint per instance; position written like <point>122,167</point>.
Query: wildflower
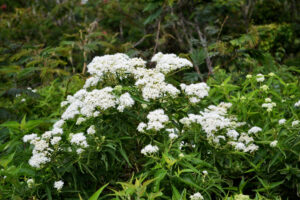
<point>269,106</point>
<point>55,140</point>
<point>173,136</point>
<point>30,183</point>
<point>281,121</point>
<point>264,87</point>
<point>274,143</point>
<point>80,120</point>
<point>23,100</point>
<point>254,129</point>
<point>58,185</point>
<point>260,78</point>
<point>29,138</point>
<point>141,127</point>
<point>91,130</point>
<point>295,123</point>
<point>169,62</point>
<point>79,139</point>
<point>205,172</point>
<point>271,74</point>
<point>149,149</point>
<point>125,101</point>
<point>196,92</point>
<point>268,100</point>
<point>232,134</point>
<point>297,104</point>
<point>196,196</point>
<point>79,151</point>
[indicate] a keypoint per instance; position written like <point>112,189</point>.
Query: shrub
<point>150,136</point>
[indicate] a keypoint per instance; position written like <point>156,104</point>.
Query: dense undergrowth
<point>218,121</point>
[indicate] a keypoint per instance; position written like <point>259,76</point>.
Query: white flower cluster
<point>264,87</point>
<point>195,92</point>
<point>156,121</point>
<point>281,121</point>
<point>87,103</point>
<point>196,196</point>
<point>297,104</point>
<point>150,81</point>
<point>268,105</point>
<point>260,77</point>
<point>274,143</point>
<point>42,151</point>
<point>214,120</point>
<point>149,149</point>
<point>30,183</point>
<point>91,130</point>
<point>153,85</point>
<point>169,62</point>
<point>295,123</point>
<point>172,133</point>
<point>58,185</point>
<point>79,139</point>
<point>254,130</point>
<point>125,101</point>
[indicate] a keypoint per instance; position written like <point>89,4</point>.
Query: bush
<point>132,127</point>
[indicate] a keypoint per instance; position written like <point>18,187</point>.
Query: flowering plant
<point>187,139</point>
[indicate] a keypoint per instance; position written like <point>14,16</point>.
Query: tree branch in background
<point>157,36</point>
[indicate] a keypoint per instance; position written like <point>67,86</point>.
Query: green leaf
<point>5,160</point>
<point>95,196</point>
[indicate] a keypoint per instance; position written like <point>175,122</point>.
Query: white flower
<point>240,146</point>
<point>58,185</point>
<point>79,150</point>
<point>254,130</point>
<point>269,106</point>
<point>271,74</point>
<point>173,136</point>
<point>264,87</point>
<point>181,155</point>
<point>260,78</point>
<point>80,120</point>
<point>79,139</point>
<point>268,100</point>
<point>295,123</point>
<point>125,101</point>
<point>91,130</point>
<point>149,149</point>
<point>157,119</point>
<point>55,140</point>
<point>141,127</point>
<point>205,172</point>
<point>195,92</point>
<point>23,100</point>
<point>281,121</point>
<point>274,143</point>
<point>297,104</point>
<point>196,196</point>
<point>169,62</point>
<point>249,76</point>
<point>232,134</point>
<point>29,138</point>
<point>251,148</point>
<point>30,183</point>
<point>38,159</point>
